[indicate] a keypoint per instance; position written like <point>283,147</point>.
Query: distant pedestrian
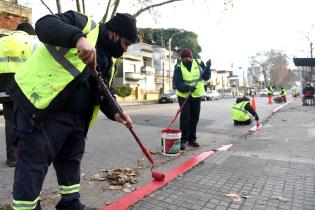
<point>270,90</point>
<point>308,93</point>
<point>187,80</point>
<point>283,94</point>
<point>240,111</point>
<point>15,49</point>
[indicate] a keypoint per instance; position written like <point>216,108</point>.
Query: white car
<point>211,95</point>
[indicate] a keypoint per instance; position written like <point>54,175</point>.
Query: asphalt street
<point>110,146</point>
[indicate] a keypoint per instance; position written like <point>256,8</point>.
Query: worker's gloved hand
<point>208,64</point>
<point>257,118</point>
<point>125,119</point>
<point>192,88</point>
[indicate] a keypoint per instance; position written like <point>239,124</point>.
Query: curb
<point>141,192</point>
<point>280,107</point>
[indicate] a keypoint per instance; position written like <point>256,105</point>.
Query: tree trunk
<point>58,6</point>
<point>152,6</point>
<point>83,6</point>
<point>78,5</point>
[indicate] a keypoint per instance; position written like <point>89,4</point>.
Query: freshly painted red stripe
<point>135,196</point>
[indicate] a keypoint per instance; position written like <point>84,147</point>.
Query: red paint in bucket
<point>170,140</point>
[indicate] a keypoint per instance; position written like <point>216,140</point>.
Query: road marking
<point>280,107</point>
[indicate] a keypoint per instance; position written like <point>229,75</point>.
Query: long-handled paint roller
<point>156,175</point>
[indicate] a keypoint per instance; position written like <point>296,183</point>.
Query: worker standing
<point>283,94</point>
<point>187,80</point>
<point>15,49</point>
<point>56,97</point>
<point>240,111</point>
<point>270,93</point>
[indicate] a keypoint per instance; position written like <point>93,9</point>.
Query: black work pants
<point>8,113</point>
<point>189,118</point>
<point>247,122</point>
<point>59,139</point>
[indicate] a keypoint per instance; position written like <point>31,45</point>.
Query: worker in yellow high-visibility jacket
<point>15,49</point>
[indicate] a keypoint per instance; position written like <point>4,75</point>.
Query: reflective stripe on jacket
<point>50,69</point>
<point>15,49</point>
<point>192,78</point>
<point>238,111</point>
<point>270,90</point>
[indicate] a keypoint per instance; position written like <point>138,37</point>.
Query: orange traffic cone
<point>254,103</point>
<point>269,99</point>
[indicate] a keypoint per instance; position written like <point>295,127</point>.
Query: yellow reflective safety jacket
<point>15,49</point>
<point>50,69</point>
<point>238,111</point>
<point>192,78</point>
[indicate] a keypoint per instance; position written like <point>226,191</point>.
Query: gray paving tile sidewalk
<point>274,167</point>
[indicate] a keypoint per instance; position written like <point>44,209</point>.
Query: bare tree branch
<point>111,4</point>
<point>46,6</point>
<point>152,6</point>
<point>83,6</point>
<point>115,7</point>
<point>58,6</point>
<point>78,5</point>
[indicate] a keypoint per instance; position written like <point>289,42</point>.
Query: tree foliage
<point>160,36</point>
<point>274,68</point>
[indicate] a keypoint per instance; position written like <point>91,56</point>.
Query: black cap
<point>26,27</point>
<point>125,25</point>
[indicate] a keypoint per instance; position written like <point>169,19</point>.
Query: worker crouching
<point>240,111</point>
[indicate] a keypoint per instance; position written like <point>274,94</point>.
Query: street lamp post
<point>170,56</point>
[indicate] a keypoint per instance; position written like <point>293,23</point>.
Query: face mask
<point>115,48</point>
<point>187,64</point>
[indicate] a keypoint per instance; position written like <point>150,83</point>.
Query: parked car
<point>211,95</point>
<point>263,93</point>
<point>1,109</point>
<point>168,97</point>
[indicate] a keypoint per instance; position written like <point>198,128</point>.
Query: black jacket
<point>178,81</point>
<point>82,93</point>
<point>308,90</point>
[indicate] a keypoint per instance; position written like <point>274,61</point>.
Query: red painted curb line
<point>280,107</point>
<point>137,195</point>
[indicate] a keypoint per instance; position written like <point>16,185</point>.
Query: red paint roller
<point>155,175</point>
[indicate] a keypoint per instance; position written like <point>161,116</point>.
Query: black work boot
<point>193,144</point>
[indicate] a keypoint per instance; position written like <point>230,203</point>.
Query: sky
<point>227,37</point>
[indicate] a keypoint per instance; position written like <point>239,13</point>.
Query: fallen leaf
<point>244,195</point>
<point>281,199</point>
<point>115,187</point>
<point>127,190</point>
<point>5,207</point>
<point>97,177</point>
<point>234,197</point>
<point>154,151</point>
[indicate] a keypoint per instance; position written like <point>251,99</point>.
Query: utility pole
<point>312,68</point>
